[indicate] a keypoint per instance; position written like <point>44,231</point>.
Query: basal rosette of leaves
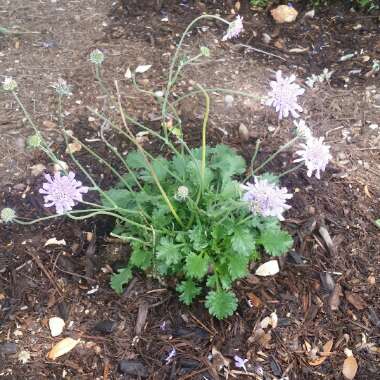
<point>221,235</point>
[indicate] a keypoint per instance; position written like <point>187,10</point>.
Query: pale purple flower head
<point>283,96</point>
<point>240,362</point>
<point>316,156</point>
<point>62,191</point>
<point>266,198</point>
<point>234,29</point>
<point>171,356</point>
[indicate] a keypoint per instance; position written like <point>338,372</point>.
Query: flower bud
<point>9,84</point>
<point>97,57</point>
<point>34,141</point>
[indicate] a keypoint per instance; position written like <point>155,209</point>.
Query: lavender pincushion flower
<point>62,191</point>
<point>234,29</point>
<point>283,96</point>
<point>240,362</point>
<point>316,156</point>
<point>266,198</point>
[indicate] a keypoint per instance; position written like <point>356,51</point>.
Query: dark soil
<point>327,289</point>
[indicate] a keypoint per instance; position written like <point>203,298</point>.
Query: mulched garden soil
<point>327,291</point>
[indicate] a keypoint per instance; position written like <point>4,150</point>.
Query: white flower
<point>182,193</point>
<point>9,84</point>
<point>62,88</point>
<point>283,96</point>
<point>266,198</point>
<point>234,29</point>
<point>302,129</point>
<point>97,57</point>
<point>316,156</point>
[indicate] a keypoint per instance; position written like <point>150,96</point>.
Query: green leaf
<point>377,222</point>
<point>160,166</point>
<point>212,281</point>
<point>136,160</point>
<point>196,265</point>
<point>120,279</point>
<point>188,291</point>
<point>227,161</point>
<point>141,258</point>
<point>198,237</point>
<point>238,266</point>
<point>243,241</point>
<point>168,252</point>
<point>275,241</point>
<point>271,178</point>
<point>221,304</point>
<point>122,197</point>
<point>230,190</point>
<point>179,164</point>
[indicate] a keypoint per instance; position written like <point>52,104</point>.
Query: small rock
<point>133,368</point>
<point>243,132</point>
<point>8,348</point>
<point>56,326</point>
<point>105,327</point>
<point>284,13</point>
<point>266,38</point>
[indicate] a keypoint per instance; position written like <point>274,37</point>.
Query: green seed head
<point>7,215</point>
<point>97,57</point>
<point>34,141</point>
<point>9,84</point>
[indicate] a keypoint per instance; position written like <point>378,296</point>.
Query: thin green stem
<point>147,162</point>
<point>271,157</point>
<point>291,170</point>
<point>24,222</point>
<point>204,134</point>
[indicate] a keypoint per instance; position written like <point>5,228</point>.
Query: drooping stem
<point>174,62</point>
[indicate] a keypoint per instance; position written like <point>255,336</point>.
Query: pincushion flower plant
<point>187,214</point>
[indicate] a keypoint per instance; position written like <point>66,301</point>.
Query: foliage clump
<point>219,236</point>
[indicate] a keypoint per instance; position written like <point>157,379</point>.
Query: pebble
<point>133,368</point>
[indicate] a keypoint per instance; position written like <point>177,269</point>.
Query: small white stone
<point>56,326</point>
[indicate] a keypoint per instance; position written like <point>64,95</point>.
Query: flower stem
<point>270,158</point>
<point>291,170</point>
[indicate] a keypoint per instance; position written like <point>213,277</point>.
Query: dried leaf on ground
<point>73,147</point>
<point>62,347</point>
<point>254,301</point>
<point>323,355</point>
<point>350,367</point>
<point>355,300</point>
<point>37,169</point>
<point>334,299</point>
